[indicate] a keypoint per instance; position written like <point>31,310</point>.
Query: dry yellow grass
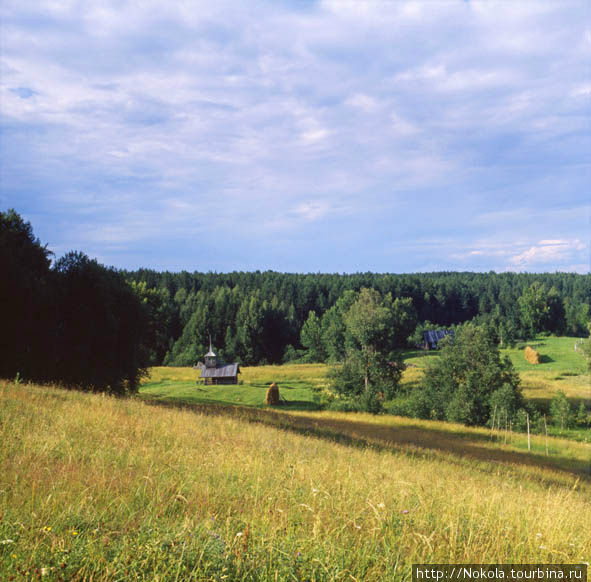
<point>114,489</point>
<point>315,374</point>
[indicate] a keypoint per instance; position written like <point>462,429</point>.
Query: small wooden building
<point>214,371</point>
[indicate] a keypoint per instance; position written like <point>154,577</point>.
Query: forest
<point>75,321</point>
<point>269,317</point>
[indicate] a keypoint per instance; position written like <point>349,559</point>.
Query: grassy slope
<point>118,489</point>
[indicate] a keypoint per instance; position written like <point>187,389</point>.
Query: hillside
<point>119,489</point>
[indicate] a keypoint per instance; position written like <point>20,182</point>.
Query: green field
<point>301,385</point>
<point>104,488</point>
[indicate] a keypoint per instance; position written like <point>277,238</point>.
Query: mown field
<point>103,488</point>
<point>300,386</point>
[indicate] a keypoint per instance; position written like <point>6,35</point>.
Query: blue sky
<point>327,136</point>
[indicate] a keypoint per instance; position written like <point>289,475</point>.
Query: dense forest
<point>270,317</point>
<point>75,321</point>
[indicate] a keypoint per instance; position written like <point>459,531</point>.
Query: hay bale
<point>272,397</point>
<point>532,356</point>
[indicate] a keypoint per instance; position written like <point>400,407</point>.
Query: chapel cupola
<point>210,357</point>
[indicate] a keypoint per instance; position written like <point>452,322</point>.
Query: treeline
<point>270,317</point>
<point>70,321</point>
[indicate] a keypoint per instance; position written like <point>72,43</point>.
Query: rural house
<point>432,337</point>
<point>214,371</point>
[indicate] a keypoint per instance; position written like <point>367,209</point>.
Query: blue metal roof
<point>434,336</point>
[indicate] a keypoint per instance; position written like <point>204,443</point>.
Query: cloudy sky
<point>332,136</point>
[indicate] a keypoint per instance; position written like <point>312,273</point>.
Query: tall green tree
<point>542,310</point>
<point>311,338</point>
<point>373,362</point>
<point>462,384</point>
<point>102,324</point>
<point>335,337</point>
<point>26,300</point>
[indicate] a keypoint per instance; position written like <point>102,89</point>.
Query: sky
<point>301,136</point>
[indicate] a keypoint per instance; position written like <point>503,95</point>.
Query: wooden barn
<point>432,337</point>
<point>214,371</point>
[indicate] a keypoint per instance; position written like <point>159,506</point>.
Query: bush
<point>560,410</point>
<point>582,419</point>
<point>505,401</point>
<point>370,401</point>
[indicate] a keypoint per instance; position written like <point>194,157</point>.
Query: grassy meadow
<point>103,488</point>
<point>301,385</point>
<point>561,368</point>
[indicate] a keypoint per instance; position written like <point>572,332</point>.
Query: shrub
<point>560,409</point>
<point>582,418</point>
<point>369,401</point>
<point>532,356</point>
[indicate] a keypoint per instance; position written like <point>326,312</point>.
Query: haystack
<point>532,356</point>
<point>272,397</point>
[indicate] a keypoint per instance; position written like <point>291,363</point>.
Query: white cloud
<point>314,135</point>
<point>581,90</point>
<point>311,210</point>
<point>550,253</point>
<point>363,102</point>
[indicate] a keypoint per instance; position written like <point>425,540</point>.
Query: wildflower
<point>542,547</point>
<point>5,542</point>
<point>47,528</point>
<point>14,556</point>
<point>405,511</point>
<point>44,571</point>
<point>298,554</point>
<point>74,533</point>
<point>238,534</point>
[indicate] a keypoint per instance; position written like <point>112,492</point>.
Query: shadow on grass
<point>546,359</point>
<point>413,440</point>
<point>297,405</point>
